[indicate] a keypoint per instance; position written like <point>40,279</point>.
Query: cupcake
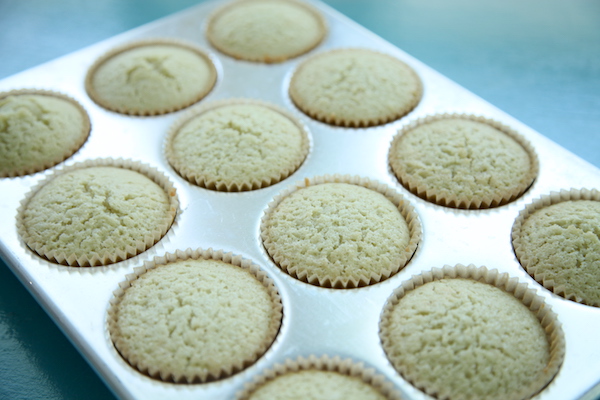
<point>236,145</point>
<point>151,77</point>
<point>267,31</point>
<point>463,161</point>
<point>355,88</point>
<point>97,212</point>
<point>321,378</point>
<point>340,232</point>
<point>194,316</point>
<point>557,240</point>
<point>471,333</point>
<point>39,129</point>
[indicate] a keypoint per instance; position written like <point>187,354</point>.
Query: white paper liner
<point>528,296</point>
<point>106,258</point>
<point>406,210</point>
<point>196,254</point>
<point>462,201</point>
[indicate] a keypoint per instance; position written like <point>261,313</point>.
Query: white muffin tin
<point>316,320</point>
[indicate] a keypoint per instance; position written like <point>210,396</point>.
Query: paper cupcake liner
<point>536,304</point>
<point>316,113</point>
<point>538,204</point>
<point>198,179</point>
<point>206,254</point>
<point>106,258</point>
<point>260,58</point>
<point>336,364</point>
<point>41,165</point>
<point>91,91</point>
<point>462,201</point>
<point>335,282</point>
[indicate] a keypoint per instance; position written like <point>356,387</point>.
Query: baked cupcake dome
<point>471,333</point>
<point>355,88</point>
<point>340,232</point>
<point>151,77</point>
<point>557,241</point>
<point>321,378</point>
<point>463,161</point>
<point>98,212</point>
<point>39,129</point>
<point>267,31</point>
<point>236,145</point>
<point>195,316</point>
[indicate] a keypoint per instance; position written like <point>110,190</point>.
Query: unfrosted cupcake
<point>355,88</point>
<point>340,232</point>
<point>320,378</point>
<point>39,129</point>
<point>151,77</point>
<point>470,333</point>
<point>463,161</point>
<point>266,30</point>
<point>557,240</point>
<point>236,145</point>
<point>97,212</point>
<point>194,316</point>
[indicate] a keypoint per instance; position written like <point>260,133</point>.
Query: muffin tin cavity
<point>308,196</point>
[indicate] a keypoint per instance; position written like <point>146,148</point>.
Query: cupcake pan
<point>316,320</point>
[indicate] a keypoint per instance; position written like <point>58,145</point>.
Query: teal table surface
<point>537,60</point>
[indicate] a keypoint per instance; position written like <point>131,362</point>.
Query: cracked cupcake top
<point>237,145</point>
<point>465,339</point>
<point>96,215</point>
<point>340,235</point>
<point>559,245</point>
<point>462,162</point>
<point>355,88</point>
<point>195,319</point>
<point>38,129</point>
<point>150,78</point>
<point>266,30</point>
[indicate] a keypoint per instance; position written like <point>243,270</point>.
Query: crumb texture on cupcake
<point>464,339</point>
<point>355,88</point>
<point>319,378</point>
<point>316,385</point>
<point>96,215</point>
<point>559,245</point>
<point>38,130</point>
<point>462,163</point>
<point>266,30</point>
<point>237,146</point>
<point>194,320</point>
<point>338,235</point>
<point>150,78</point>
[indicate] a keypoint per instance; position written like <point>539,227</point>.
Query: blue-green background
<point>538,60</point>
